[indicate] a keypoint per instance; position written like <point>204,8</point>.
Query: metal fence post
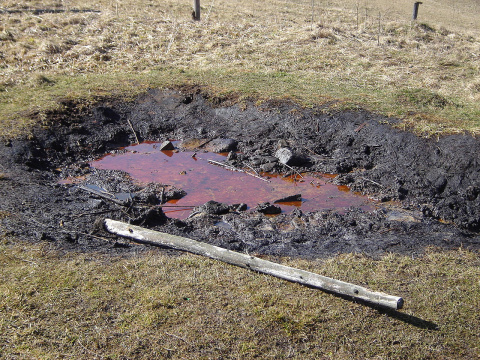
<point>196,10</point>
<point>415,10</point>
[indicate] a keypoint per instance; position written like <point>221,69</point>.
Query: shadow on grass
<point>409,319</point>
<point>390,311</point>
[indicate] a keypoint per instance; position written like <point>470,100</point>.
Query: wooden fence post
<point>147,236</point>
<point>196,10</point>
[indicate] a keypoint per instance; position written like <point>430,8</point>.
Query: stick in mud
<point>233,168</point>
<point>103,196</point>
<point>133,130</point>
<point>147,236</point>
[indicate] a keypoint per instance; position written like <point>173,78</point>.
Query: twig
<point>373,182</point>
<point>172,39</point>
<point>177,337</point>
<point>233,168</point>
<point>206,142</point>
<point>193,214</point>
<point>24,260</point>
<point>295,171</point>
<point>209,10</point>
<point>310,150</point>
<point>178,206</point>
<point>360,127</point>
<point>161,195</point>
<point>94,213</point>
<point>102,195</point>
<point>133,130</point>
<point>255,171</point>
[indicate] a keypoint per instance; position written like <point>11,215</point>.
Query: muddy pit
<point>392,191</point>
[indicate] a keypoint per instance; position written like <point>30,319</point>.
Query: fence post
<point>415,10</point>
<point>196,10</point>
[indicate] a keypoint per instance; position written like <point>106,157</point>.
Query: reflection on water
<point>204,181</point>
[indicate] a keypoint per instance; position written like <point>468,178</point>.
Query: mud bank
<point>428,189</point>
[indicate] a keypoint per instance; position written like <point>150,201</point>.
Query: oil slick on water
<point>204,181</point>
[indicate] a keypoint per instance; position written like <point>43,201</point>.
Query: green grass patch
<point>425,112</point>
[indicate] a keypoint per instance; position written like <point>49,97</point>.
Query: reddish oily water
<point>204,181</point>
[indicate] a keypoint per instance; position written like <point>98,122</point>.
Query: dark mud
<point>429,189</point>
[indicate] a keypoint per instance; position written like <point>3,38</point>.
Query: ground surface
<point>428,188</point>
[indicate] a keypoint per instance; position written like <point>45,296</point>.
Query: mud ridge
<point>428,189</point>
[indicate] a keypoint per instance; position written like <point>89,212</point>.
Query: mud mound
<point>429,188</point>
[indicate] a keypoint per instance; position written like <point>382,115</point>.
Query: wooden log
<point>147,236</point>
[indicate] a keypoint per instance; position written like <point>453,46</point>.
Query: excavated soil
<point>427,189</point>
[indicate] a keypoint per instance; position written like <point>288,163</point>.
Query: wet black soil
<point>428,189</point>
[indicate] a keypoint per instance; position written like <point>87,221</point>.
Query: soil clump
<point>429,189</point>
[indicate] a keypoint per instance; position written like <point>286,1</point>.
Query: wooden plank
<point>147,236</point>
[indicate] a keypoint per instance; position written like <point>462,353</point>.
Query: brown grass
<point>79,306</point>
<point>159,306</point>
<point>362,53</point>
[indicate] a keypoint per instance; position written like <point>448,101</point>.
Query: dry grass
<point>158,306</point>
<point>343,53</point>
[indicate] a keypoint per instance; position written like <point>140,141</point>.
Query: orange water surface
<point>204,181</point>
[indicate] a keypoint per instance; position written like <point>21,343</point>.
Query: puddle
<point>204,181</point>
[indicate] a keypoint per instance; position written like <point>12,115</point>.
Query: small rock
<point>221,145</point>
<point>472,192</point>
<point>440,185</point>
<point>69,238</point>
<point>166,145</point>
<point>296,197</point>
<point>95,203</point>
<point>151,217</point>
<point>268,209</point>
<point>401,216</point>
<point>282,143</point>
<point>121,245</point>
<point>191,144</point>
<point>215,208</point>
<point>286,156</point>
<point>238,207</point>
<point>150,197</point>
<point>174,194</point>
<point>269,159</point>
<point>268,167</point>
<point>231,156</point>
<point>256,161</point>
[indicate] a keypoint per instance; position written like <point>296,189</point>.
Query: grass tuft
<point>421,98</point>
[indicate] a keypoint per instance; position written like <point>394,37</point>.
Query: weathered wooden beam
<point>147,236</point>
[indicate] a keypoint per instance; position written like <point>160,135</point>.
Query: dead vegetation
<point>55,305</point>
<point>159,306</point>
<point>363,53</point>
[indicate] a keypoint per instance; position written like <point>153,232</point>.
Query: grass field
<point>345,53</point>
<point>186,307</point>
<point>350,53</point>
